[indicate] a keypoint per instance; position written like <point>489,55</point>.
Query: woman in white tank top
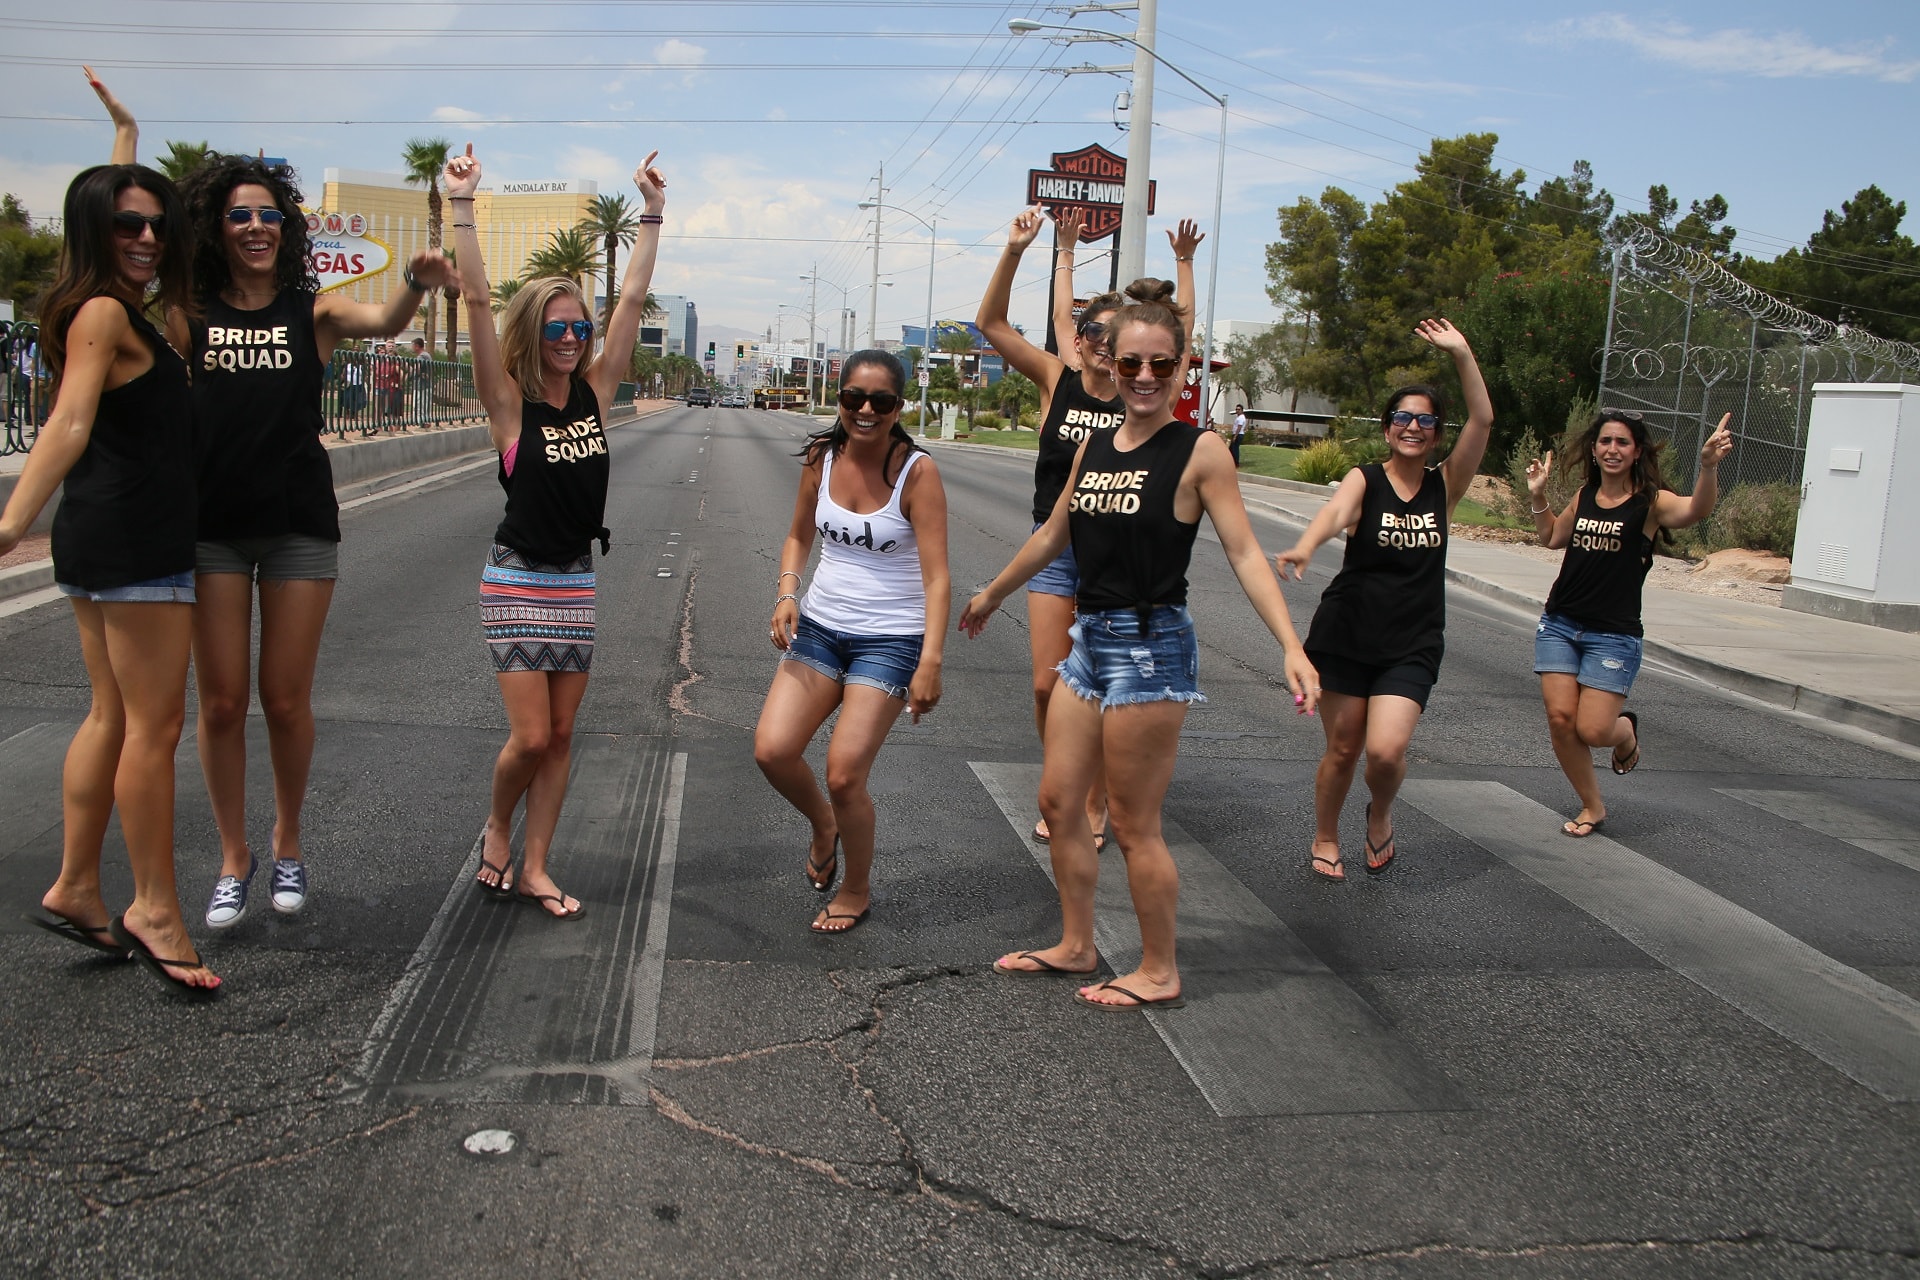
<point>867,635</point>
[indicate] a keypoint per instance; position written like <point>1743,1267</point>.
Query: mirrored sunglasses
<point>241,216</point>
<point>1425,421</point>
<point>852,398</point>
<point>554,330</point>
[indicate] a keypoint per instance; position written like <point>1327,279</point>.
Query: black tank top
<point>256,388</point>
<point>1606,565</point>
<point>1071,415</point>
<point>1388,604</point>
<point>557,494</point>
<point>1131,551</point>
<point>127,512</point>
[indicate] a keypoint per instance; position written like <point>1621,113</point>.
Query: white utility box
<point>1853,551</point>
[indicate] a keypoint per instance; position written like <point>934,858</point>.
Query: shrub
<point>1757,517</point>
<point>1323,463</point>
<point>988,422</point>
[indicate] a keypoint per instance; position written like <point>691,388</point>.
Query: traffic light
<point>739,351</point>
<point>709,351</point>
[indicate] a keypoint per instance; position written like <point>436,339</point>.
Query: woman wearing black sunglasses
<point>548,399</point>
<point>1078,395</point>
<point>868,635</point>
<point>1131,510</point>
<point>120,437</point>
<point>1378,634</point>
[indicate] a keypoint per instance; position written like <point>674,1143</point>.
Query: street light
<point>1021,26</point>
<point>926,338</point>
<point>844,292</point>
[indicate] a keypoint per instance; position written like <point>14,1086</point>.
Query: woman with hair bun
<point>1078,395</point>
<point>547,399</point>
<point>120,437</point>
<point>1379,632</point>
<point>868,636</point>
<point>1588,646</point>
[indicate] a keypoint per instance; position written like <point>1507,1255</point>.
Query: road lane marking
<point>1268,1029</point>
<point>1838,819</point>
<point>498,1004</point>
<point>1854,1024</point>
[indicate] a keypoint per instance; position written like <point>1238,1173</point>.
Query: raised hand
<point>433,268</point>
<point>653,187</point>
<point>1718,445</point>
<point>461,177</point>
<point>1071,224</point>
<point>1443,335</point>
<point>1538,472</point>
<point>116,111</point>
<point>1187,239</point>
<point>1026,225</point>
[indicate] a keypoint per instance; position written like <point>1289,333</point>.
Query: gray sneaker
<point>229,902</point>
<point>289,885</point>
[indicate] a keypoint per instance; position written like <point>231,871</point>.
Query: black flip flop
<point>815,926</point>
<point>1314,863</point>
<point>1633,761</point>
<point>501,889</point>
<point>161,967</point>
<point>1046,968</point>
<point>1139,1002</point>
<point>537,899</point>
<point>86,935</point>
<point>1591,828</point>
<point>832,864</point>
<point>1377,868</point>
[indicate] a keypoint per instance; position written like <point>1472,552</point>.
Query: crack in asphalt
<point>1551,1249</point>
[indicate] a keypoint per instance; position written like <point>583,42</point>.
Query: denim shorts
<point>1116,663</point>
<point>1060,578</point>
<point>886,663</point>
<point>1603,660</point>
<point>175,588</point>
<point>284,558</point>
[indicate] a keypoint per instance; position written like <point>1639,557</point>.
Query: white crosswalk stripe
<point>1836,818</point>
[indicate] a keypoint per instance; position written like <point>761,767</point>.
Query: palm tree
<point>421,161</point>
<point>568,252</point>
<point>503,294</point>
<point>453,322</point>
<point>614,222</point>
<point>182,158</point>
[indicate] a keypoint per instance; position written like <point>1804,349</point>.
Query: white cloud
<point>680,53</point>
<point>457,115</point>
<point>1737,50</point>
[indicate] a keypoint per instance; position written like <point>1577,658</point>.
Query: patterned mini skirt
<point>538,617</point>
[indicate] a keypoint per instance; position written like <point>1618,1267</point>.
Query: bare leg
<point>1561,692</point>
<point>222,638</point>
<point>529,721</point>
<point>86,783</point>
<point>1142,744</point>
<point>548,789</point>
<point>1048,619</point>
<point>798,703</point>
<point>293,613</point>
<point>1390,722</point>
<point>866,715</point>
<point>1072,760</point>
<point>1344,718</point>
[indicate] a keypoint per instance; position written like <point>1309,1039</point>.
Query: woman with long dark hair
<point>548,399</point>
<point>1078,395</point>
<point>1587,648</point>
<point>1131,509</point>
<point>260,345</point>
<point>1379,632</point>
<point>120,437</point>
<point>867,636</point>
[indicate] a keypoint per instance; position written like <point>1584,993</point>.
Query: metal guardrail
<point>24,393</point>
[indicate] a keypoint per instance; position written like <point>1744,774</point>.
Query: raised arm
<point>623,325</point>
<point>1068,225</point>
<point>1341,512</point>
<point>1464,460</point>
<point>337,317</point>
<point>1186,243</point>
<point>498,391</point>
<point>1671,510</point>
<point>94,338</point>
<point>1552,531</point>
<point>1012,345</point>
<point>126,130</point>
<point>925,505</point>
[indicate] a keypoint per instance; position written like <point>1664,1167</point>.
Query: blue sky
<point>772,118</point>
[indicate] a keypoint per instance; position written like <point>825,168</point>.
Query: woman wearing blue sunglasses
<point>547,401</point>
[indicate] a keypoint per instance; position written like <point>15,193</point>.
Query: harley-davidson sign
<point>1093,180</point>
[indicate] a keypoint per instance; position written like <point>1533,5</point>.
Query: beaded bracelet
<point>778,600</point>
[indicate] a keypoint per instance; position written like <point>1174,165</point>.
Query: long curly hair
<point>89,267</point>
<point>207,191</point>
<point>833,439</point>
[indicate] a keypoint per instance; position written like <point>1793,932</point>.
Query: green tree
<point>1014,394</point>
<point>421,162</point>
<point>1570,204</point>
<point>568,252</point>
<point>29,256</point>
<point>1701,229</point>
<point>503,291</point>
<point>1858,268</point>
<point>614,222</point>
<point>12,212</point>
<point>181,159</point>
<point>1535,335</point>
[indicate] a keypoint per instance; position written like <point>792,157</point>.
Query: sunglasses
<point>554,330</point>
<point>1163,367</point>
<point>1095,330</point>
<point>241,216</point>
<point>884,402</point>
<point>130,224</point>
<point>1425,421</point>
<point>1624,415</point>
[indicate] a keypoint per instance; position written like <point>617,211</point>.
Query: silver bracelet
<point>1540,511</point>
<point>789,596</point>
<point>786,573</point>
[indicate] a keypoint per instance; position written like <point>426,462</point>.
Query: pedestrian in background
<point>1239,430</point>
<point>1587,648</point>
<point>1379,632</point>
<point>1132,509</point>
<point>120,438</point>
<point>867,638</point>
<point>547,399</point>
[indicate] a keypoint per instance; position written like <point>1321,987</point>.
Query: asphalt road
<point>1690,1049</point>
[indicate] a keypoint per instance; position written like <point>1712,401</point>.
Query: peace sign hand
<point>1537,473</point>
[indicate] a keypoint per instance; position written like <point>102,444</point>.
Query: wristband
<point>461,224</point>
<point>652,219</point>
<point>779,600</point>
<point>406,274</point>
<point>784,574</point>
<point>1178,258</point>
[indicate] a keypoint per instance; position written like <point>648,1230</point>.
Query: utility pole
<point>813,297</point>
<point>873,308</point>
<point>1132,247</point>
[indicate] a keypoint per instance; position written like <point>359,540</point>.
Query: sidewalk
<point>1852,674</point>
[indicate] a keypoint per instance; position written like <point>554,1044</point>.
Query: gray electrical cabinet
<point>1853,551</point>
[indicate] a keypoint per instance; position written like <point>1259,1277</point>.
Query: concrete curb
<point>363,468</point>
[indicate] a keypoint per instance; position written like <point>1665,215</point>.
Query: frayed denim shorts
<point>886,663</point>
<point>1603,660</point>
<point>1117,662</point>
<point>175,588</point>
<point>1060,578</point>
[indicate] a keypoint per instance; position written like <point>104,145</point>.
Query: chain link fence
<point>1688,341</point>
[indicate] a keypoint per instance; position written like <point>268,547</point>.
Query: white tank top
<point>868,582</point>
